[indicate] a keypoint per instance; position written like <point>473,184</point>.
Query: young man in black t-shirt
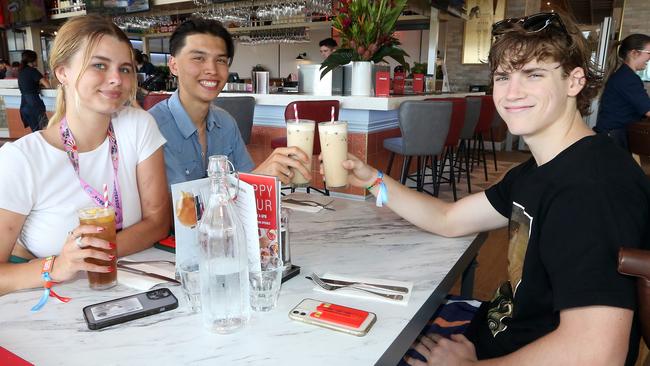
<point>568,209</point>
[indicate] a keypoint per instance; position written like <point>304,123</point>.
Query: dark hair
<point>562,42</point>
<point>632,42</point>
<point>328,42</point>
<point>137,54</point>
<point>15,64</point>
<point>620,49</point>
<point>27,57</point>
<point>201,26</point>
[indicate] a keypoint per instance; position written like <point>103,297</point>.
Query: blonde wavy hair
<point>82,34</point>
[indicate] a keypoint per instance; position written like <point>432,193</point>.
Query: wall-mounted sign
<point>476,38</point>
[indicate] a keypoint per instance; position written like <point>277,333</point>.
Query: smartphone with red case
<point>332,316</point>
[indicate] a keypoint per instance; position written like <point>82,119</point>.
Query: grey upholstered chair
<point>424,126</point>
<point>243,110</point>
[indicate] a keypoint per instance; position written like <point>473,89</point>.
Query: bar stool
<point>316,110</point>
<point>243,110</point>
<point>496,123</point>
<point>451,143</point>
<point>424,126</point>
<point>486,118</point>
<point>472,112</point>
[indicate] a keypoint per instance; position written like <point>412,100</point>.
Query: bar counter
<point>370,121</point>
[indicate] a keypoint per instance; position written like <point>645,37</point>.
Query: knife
<point>347,283</point>
<point>145,273</point>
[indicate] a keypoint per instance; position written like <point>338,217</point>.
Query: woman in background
<point>30,81</point>
<point>624,99</point>
<point>91,140</point>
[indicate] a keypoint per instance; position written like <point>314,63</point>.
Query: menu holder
<point>418,83</point>
<point>398,82</point>
<point>382,83</point>
<point>268,204</point>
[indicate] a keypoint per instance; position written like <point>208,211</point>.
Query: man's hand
<point>280,162</point>
<point>439,350</point>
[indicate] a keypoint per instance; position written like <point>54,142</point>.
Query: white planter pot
<point>361,78</point>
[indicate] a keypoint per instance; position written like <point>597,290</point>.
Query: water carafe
<point>223,264</point>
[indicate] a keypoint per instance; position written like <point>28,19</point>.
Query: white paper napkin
<point>142,282</point>
<point>365,295</point>
<point>303,208</point>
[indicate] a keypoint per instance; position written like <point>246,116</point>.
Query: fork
<point>310,203</point>
<point>329,287</point>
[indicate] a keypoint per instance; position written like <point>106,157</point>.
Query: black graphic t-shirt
<point>568,219</point>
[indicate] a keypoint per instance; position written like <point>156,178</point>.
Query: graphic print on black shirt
<point>501,306</point>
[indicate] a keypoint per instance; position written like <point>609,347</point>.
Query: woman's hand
<point>76,249</point>
<point>360,174</point>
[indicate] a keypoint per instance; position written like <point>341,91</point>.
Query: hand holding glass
<point>300,133</point>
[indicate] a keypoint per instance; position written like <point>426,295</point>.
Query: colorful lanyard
<point>71,149</point>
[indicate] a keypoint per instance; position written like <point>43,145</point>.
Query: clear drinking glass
<point>265,285</point>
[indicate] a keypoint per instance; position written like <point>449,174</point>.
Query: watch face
<point>116,308</point>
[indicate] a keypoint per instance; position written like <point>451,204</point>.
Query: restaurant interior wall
<point>280,59</point>
<point>635,17</point>
<point>460,75</point>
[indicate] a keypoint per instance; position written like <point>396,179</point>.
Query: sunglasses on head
<point>532,24</point>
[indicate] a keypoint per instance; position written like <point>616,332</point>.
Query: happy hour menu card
<point>267,203</point>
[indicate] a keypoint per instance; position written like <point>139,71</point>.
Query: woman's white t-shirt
<point>38,180</point>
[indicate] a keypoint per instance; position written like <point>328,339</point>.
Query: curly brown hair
<point>561,42</point>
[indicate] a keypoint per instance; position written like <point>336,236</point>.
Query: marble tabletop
<point>357,239</point>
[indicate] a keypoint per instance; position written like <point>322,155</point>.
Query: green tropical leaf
<point>340,57</point>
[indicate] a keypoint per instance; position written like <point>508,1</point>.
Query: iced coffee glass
<point>300,133</point>
<point>104,217</point>
<point>334,150</point>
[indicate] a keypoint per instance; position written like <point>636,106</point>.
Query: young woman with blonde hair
<point>92,139</point>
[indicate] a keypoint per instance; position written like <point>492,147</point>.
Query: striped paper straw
<point>332,113</point>
<point>105,195</point>
<point>295,111</point>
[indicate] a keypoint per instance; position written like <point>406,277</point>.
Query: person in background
<point>327,46</point>
<point>30,81</point>
<point>3,68</point>
<point>12,71</point>
<point>564,302</point>
<point>201,52</point>
<point>624,99</point>
<point>91,140</point>
<point>144,66</point>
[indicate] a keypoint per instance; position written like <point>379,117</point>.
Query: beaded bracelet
<point>382,192</point>
<point>47,286</point>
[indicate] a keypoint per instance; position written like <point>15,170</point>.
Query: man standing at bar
<point>569,209</point>
<point>327,46</point>
<point>201,52</point>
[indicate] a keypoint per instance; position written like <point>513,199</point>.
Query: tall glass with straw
<point>104,217</point>
<point>300,133</point>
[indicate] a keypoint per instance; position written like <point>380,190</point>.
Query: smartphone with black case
<point>128,308</point>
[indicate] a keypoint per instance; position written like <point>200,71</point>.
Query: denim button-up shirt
<point>183,159</point>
